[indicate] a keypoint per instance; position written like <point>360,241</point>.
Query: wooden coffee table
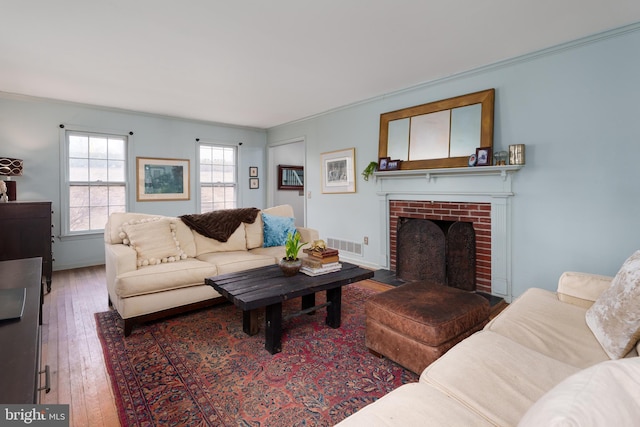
<point>250,290</point>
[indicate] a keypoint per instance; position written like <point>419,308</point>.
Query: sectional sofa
<point>156,265</point>
<point>565,358</point>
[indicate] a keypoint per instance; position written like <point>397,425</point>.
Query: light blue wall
<point>29,129</point>
<point>577,201</point>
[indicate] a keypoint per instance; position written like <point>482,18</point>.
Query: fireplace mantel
<point>428,174</point>
<point>481,184</point>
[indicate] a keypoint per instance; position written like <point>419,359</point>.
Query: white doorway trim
<point>272,170</point>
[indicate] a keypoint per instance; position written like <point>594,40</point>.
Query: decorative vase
<point>290,268</point>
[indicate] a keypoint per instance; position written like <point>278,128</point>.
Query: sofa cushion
<point>541,322</point>
<point>254,231</point>
<point>276,229</point>
<point>415,404</point>
<point>233,261</point>
<point>581,288</point>
<point>607,394</point>
<point>235,242</point>
<point>277,252</point>
<point>154,240</point>
<point>495,376</point>
<point>615,316</point>
<point>185,237</point>
<point>164,277</point>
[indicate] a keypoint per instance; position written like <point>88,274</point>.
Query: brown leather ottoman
<point>416,323</point>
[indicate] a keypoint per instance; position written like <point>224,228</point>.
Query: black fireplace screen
<point>442,252</point>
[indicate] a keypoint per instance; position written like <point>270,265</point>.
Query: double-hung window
<point>218,177</point>
<point>94,180</point>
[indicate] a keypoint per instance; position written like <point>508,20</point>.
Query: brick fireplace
<point>480,195</point>
<point>478,214</point>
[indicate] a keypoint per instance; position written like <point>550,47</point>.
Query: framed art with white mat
<point>338,171</point>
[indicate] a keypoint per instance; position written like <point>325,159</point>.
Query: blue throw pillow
<point>276,229</point>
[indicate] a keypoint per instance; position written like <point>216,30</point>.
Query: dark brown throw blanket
<point>221,224</point>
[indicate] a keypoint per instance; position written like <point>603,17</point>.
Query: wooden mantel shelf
<point>433,173</point>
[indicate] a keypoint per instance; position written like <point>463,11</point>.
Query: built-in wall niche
<point>290,177</point>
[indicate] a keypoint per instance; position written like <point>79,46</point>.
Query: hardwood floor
<point>71,348</point>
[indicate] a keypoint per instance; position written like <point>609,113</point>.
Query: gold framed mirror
<point>440,134</point>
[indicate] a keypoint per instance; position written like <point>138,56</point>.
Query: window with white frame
<point>95,180</point>
<point>218,177</point>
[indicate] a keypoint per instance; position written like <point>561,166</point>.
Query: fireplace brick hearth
<point>479,214</point>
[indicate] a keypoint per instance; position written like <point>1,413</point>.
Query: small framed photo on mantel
<point>483,156</point>
<point>383,163</point>
<point>393,165</point>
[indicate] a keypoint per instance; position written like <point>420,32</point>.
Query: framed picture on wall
<point>290,177</point>
<point>338,171</point>
<point>254,183</point>
<point>253,171</point>
<point>162,179</point>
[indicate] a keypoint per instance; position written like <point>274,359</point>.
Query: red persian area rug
<point>201,369</point>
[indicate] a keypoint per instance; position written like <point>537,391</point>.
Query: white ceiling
<point>262,63</point>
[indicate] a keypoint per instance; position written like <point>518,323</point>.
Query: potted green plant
<point>369,170</point>
<point>290,264</point>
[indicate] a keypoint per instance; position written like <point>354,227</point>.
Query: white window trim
<point>65,233</point>
<point>236,145</point>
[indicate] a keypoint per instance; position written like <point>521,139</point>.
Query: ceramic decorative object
<point>290,268</point>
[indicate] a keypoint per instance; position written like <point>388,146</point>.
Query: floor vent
<point>345,246</point>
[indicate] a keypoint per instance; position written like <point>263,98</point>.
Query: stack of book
<point>320,262</point>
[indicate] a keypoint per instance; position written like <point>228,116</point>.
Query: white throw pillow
<point>606,394</point>
<point>154,240</point>
<point>614,318</point>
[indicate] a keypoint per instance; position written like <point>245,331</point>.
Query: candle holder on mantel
<point>11,167</point>
<point>516,154</point>
<point>500,158</point>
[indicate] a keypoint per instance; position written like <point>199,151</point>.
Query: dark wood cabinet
<point>26,232</point>
<point>20,337</point>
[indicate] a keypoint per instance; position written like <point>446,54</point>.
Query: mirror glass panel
<point>438,134</point>
<point>429,136</point>
<point>465,130</point>
<point>399,139</point>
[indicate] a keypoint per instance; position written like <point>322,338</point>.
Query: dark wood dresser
<point>26,233</point>
<point>20,339</point>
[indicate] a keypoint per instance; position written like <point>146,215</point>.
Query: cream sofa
<point>146,284</point>
<point>541,362</point>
